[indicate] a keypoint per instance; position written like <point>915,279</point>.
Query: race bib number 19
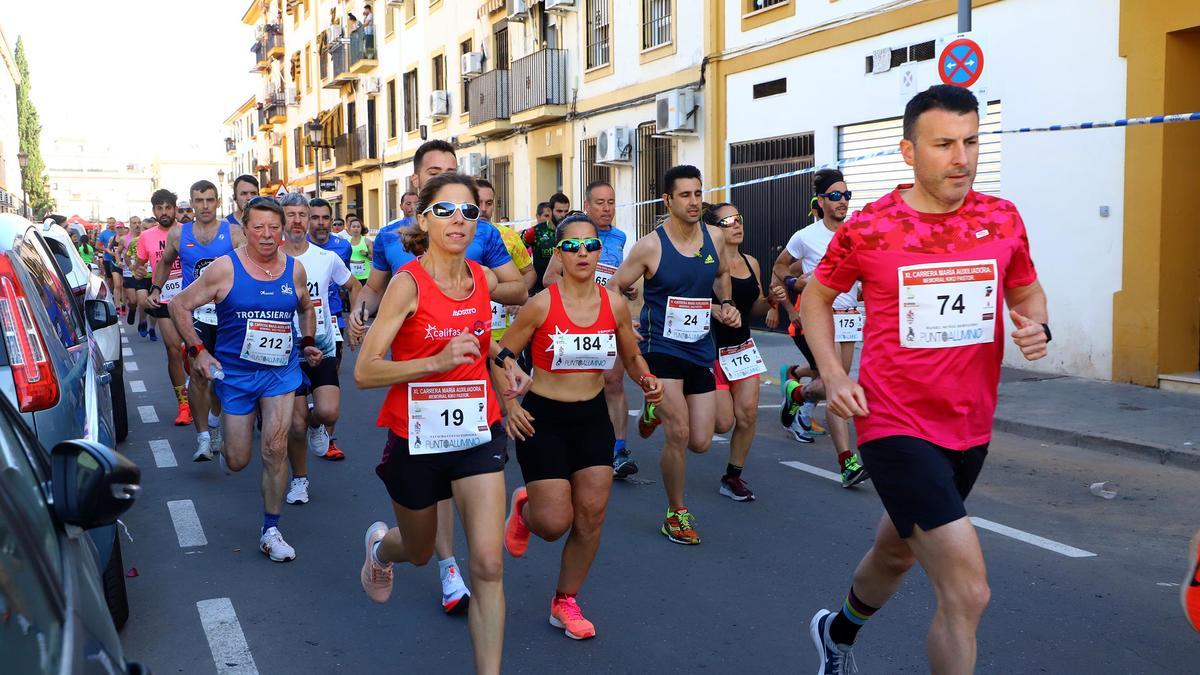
<point>447,416</point>
<point>948,304</point>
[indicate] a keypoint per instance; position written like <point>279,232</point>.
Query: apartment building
<point>10,169</point>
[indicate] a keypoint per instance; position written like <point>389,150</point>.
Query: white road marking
<point>124,340</point>
<point>126,351</point>
<point>164,456</point>
<point>981,523</point>
<point>131,366</point>
<point>226,640</point>
<point>187,523</point>
<point>137,386</point>
<point>635,413</point>
<point>147,413</point>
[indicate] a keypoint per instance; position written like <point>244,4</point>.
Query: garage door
<point>873,178</point>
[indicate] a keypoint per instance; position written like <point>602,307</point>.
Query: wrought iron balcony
<point>362,51</point>
<point>273,43</point>
<point>360,144</point>
<point>341,151</point>
<point>539,79</point>
<point>230,145</point>
<point>335,64</point>
<point>489,97</point>
<point>262,62</point>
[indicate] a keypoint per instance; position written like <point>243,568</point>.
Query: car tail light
<point>33,374</point>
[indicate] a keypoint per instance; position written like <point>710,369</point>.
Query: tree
<point>29,132</point>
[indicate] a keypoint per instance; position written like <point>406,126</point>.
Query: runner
<point>502,316</point>
<point>128,282</point>
<point>109,265</point>
<point>600,205</point>
<point>164,285</point>
<point>185,212</point>
<point>192,247</point>
<point>937,263</point>
<point>323,269</point>
<point>141,282</point>
<point>390,254</point>
<point>338,229</point>
<point>738,364</point>
<point>806,248</point>
<point>86,250</point>
<point>540,237</point>
<point>245,188</point>
<point>682,267</point>
<point>408,204</point>
<point>442,416</point>
<point>321,437</point>
<point>562,427</point>
<point>255,365</point>
<point>360,252</point>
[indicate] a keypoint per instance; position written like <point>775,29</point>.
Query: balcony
<point>362,51</point>
<point>335,65</point>
<point>277,108</point>
<point>269,176</point>
<point>264,122</point>
<point>363,152</point>
<point>230,145</point>
<point>342,153</point>
<point>273,42</point>
<point>262,62</point>
<point>539,87</point>
<point>489,103</point>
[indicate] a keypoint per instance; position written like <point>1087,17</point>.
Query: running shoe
<point>204,451</point>
<point>334,453</point>
<point>455,596</point>
<point>221,461</point>
<point>834,659</point>
<point>122,310</point>
<point>184,417</point>
<point>298,491</point>
<point>799,433</point>
<point>376,578</point>
<point>274,547</point>
<point>806,417</point>
<point>736,489</point>
<point>853,472</point>
<point>153,335</point>
<point>516,534</point>
<point>565,614</point>
<point>1190,595</point>
<point>788,408</point>
<point>142,329</point>
<point>679,527</point>
<point>647,422</point>
<point>623,464</point>
<point>318,440</point>
<point>130,317</point>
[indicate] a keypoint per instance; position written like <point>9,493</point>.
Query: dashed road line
<point>124,340</point>
<point>148,415</point>
<point>816,471</point>
<point>164,456</point>
<point>131,366</point>
<point>137,386</point>
<point>231,654</point>
<point>187,524</point>
<point>126,351</point>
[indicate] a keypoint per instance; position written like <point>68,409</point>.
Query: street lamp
<point>315,132</point>
<point>23,160</point>
<point>221,188</point>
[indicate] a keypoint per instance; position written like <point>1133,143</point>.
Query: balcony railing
<point>362,46</point>
<point>263,119</point>
<point>341,151</point>
<point>360,144</point>
<point>489,97</point>
<point>272,43</point>
<point>338,69</point>
<point>539,79</point>
<point>276,109</point>
<point>230,145</point>
<point>269,175</point>
<point>261,60</point>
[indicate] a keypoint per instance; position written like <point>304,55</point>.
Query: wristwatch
<point>504,355</point>
<point>155,287</point>
<point>1046,327</point>
<point>727,301</point>
<point>194,350</point>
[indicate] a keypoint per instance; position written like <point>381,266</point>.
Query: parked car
<point>52,605</point>
<point>88,283</point>
<point>52,370</point>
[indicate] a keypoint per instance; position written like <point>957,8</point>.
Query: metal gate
<point>655,154</point>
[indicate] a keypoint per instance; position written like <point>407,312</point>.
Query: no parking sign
<point>960,62</point>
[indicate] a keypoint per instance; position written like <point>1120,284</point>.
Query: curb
<point>1161,454</point>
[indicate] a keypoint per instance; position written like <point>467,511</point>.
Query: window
<point>393,200</point>
<point>296,148</point>
<point>389,19</point>
<point>308,68</point>
<point>771,88</point>
<point>439,72</point>
<point>656,23</point>
<point>464,49</point>
<point>500,41</point>
<point>391,111</point>
<point>50,287</point>
<point>500,174</point>
<point>654,157</point>
<point>597,33</point>
<point>410,100</point>
<point>589,170</point>
<point>755,5</point>
<point>410,11</point>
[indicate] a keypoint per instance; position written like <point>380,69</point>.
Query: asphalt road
<point>740,602</point>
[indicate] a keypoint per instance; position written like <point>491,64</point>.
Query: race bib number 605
<point>948,304</point>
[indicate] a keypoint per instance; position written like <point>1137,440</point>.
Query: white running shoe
<point>318,440</point>
<point>224,465</point>
<point>203,449</point>
<point>298,492</point>
<point>455,596</point>
<point>275,548</point>
<point>376,578</point>
<point>798,432</point>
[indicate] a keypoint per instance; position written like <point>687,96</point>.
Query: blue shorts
<point>240,392</point>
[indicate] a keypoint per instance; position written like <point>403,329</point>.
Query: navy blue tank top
<point>194,256</point>
<point>683,278</point>
<point>254,322</point>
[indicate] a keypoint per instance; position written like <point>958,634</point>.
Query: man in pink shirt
<point>937,262</point>
<point>150,247</point>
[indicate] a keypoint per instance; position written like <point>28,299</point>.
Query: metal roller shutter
<point>873,178</point>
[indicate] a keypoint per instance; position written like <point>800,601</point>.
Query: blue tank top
<point>681,277</point>
<point>194,256</point>
<point>265,308</point>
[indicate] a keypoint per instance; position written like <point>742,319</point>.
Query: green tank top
<point>360,265</point>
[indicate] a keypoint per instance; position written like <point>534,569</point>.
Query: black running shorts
<point>420,481</point>
<point>325,374</point>
<point>207,334</point>
<point>802,345</point>
<point>697,379</point>
<point>921,483</point>
<point>568,437</point>
<point>159,312</point>
<point>137,283</point>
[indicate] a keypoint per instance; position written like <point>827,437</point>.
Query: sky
<point>146,77</point>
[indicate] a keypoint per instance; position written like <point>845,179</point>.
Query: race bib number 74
<point>948,304</point>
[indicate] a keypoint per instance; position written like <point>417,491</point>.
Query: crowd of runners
<point>481,334</point>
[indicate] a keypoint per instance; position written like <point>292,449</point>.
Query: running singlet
<point>254,322</point>
<point>103,239</point>
<point>360,264</point>
<point>745,294</point>
<point>324,270</point>
<point>934,288</point>
<point>678,309</point>
<point>560,345</point>
<point>341,247</point>
<point>501,319</point>
<point>487,248</point>
<point>151,244</point>
<point>195,256</point>
<point>541,240</point>
<point>437,320</point>
<point>613,251</point>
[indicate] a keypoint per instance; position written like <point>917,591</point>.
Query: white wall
<point>1058,180</point>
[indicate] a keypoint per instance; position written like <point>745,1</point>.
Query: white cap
<point>183,204</point>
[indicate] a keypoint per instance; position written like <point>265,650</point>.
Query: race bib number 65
<point>948,304</point>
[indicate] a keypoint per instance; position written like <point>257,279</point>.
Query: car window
<point>53,292</point>
<point>24,482</point>
<point>61,256</point>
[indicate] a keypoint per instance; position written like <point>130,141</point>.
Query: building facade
<point>11,197</point>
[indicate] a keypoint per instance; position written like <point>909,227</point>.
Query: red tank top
<point>558,322</point>
<point>437,320</point>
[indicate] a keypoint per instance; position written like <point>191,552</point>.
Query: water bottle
<point>216,373</point>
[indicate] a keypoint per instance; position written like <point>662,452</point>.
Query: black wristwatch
<point>155,287</point>
<point>504,355</point>
<point>727,302</point>
<point>1046,327</point>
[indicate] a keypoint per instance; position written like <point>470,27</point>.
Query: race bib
<point>268,342</point>
<point>604,273</point>
<point>741,361</point>
<point>687,319</point>
<point>948,304</point>
<point>171,287</point>
<point>206,314</point>
<point>447,416</point>
<point>358,269</point>
<point>584,351</point>
<point>847,325</point>
<point>499,316</point>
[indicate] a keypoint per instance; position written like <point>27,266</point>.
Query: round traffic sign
<point>961,63</point>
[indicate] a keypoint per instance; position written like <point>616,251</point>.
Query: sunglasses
<point>728,221</point>
<point>591,245</point>
<point>447,209</point>
<point>836,195</point>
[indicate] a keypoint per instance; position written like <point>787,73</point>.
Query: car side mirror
<point>92,484</point>
<point>100,314</point>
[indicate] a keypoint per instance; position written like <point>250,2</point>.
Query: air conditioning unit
<point>372,84</point>
<point>559,5</point>
<point>439,103</point>
<point>518,10</point>
<point>614,146</point>
<point>472,64</point>
<point>676,111</point>
<point>471,164</point>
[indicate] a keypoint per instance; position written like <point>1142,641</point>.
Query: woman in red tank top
<point>441,411</point>
<point>564,436</point>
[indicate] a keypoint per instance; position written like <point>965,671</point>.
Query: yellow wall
<point>544,146</point>
<point>1156,315</point>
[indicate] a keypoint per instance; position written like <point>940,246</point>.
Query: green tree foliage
<point>29,131</point>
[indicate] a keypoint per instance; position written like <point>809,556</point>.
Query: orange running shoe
<point>679,527</point>
<point>516,534</point>
<point>648,422</point>
<point>334,453</point>
<point>184,417</point>
<point>565,614</point>
<point>1190,594</point>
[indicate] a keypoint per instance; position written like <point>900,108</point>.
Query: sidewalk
<point>1115,418</point>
